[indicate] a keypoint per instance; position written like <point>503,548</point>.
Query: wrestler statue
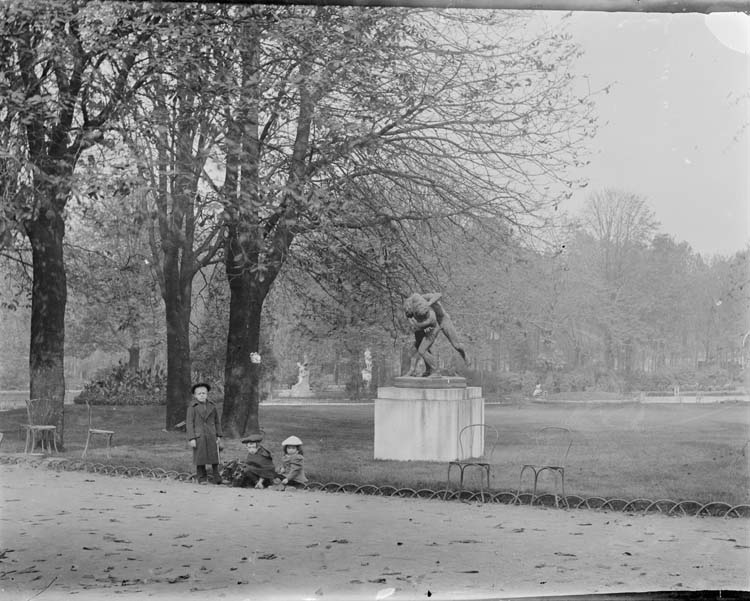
<point>428,318</point>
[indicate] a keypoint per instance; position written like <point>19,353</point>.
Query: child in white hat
<point>292,469</point>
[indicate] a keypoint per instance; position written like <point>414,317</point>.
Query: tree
<point>366,122</point>
<point>622,225</point>
<point>172,133</point>
<point>115,303</point>
<point>66,71</point>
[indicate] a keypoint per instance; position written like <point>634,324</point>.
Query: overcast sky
<point>674,126</point>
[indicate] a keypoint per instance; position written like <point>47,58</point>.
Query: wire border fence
<point>662,506</point>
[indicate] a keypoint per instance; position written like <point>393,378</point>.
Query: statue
<point>302,387</point>
<point>428,318</point>
<point>303,374</point>
<point>367,371</point>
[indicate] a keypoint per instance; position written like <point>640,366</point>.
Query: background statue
<point>302,387</point>
<point>303,374</point>
<point>428,318</point>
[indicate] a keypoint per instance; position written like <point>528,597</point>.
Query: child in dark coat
<point>256,470</point>
<point>203,428</point>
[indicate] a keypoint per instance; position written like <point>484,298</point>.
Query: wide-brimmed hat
<point>252,438</point>
<point>201,385</point>
<point>292,441</point>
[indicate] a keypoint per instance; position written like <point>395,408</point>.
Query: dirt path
<point>86,536</point>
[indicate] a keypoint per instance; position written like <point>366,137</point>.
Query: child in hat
<point>292,470</point>
<point>203,428</point>
<point>257,470</point>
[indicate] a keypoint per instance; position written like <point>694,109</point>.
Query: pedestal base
<point>423,423</point>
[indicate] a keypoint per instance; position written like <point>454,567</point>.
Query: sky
<point>674,127</point>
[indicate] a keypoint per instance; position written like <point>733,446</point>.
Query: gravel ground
<point>79,535</point>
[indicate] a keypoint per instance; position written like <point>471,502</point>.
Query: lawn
<point>626,451</point>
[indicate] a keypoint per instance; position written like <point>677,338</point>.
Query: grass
<point>627,451</point>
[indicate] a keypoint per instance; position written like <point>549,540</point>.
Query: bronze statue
<point>428,318</point>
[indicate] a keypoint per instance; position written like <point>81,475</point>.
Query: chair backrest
<point>41,412</point>
<point>467,437</point>
<point>552,445</point>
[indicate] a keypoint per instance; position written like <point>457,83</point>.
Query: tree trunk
<point>241,376</point>
<point>48,299</point>
<point>134,357</point>
<point>609,354</point>
<point>177,307</point>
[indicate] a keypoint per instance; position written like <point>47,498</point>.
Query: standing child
<point>292,470</point>
<point>203,428</point>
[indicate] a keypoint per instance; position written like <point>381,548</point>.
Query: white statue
<point>367,371</point>
<point>302,387</point>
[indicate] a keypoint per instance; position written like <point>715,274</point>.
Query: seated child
<point>256,470</point>
<point>292,471</point>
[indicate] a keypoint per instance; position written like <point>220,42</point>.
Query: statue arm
<point>429,322</point>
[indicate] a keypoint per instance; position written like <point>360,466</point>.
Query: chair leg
<point>109,445</point>
<point>86,447</point>
<point>448,485</point>
<point>54,441</point>
<point>26,444</point>
<point>562,478</point>
<point>533,494</point>
<point>520,483</point>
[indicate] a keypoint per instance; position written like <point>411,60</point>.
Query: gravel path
<point>86,536</point>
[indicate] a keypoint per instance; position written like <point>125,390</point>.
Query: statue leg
<point>430,363</point>
<point>414,358</point>
<point>452,335</point>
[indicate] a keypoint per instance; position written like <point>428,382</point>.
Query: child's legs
<point>201,472</point>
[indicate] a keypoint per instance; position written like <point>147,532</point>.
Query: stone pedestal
<point>420,418</point>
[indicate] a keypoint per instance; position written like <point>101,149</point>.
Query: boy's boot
<point>202,476</point>
<point>215,470</point>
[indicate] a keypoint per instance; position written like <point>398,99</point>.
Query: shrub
<point>120,385</point>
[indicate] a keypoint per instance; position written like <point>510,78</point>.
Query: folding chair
<point>551,447</point>
<point>41,417</point>
<point>94,432</point>
<point>466,438</point>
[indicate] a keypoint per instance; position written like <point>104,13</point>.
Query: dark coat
<point>203,424</point>
<point>293,468</point>
<point>247,473</point>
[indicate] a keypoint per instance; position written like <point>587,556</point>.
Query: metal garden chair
<point>41,418</point>
<point>551,447</point>
<point>466,439</point>
<point>96,432</point>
